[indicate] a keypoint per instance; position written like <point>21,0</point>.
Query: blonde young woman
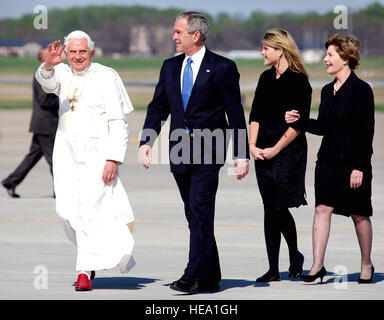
<point>279,149</point>
<point>343,174</point>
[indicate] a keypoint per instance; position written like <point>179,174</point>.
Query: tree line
<point>112,28</point>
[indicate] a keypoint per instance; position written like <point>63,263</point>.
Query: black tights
<point>279,221</point>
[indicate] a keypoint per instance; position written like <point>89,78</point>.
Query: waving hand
<point>54,56</point>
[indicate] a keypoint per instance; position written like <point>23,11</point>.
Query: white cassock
<point>94,215</point>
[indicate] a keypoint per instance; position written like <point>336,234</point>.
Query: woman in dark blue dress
<point>279,149</point>
<point>343,174</point>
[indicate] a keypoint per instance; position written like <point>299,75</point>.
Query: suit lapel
<point>176,72</point>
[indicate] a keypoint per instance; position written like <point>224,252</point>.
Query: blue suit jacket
<point>214,106</point>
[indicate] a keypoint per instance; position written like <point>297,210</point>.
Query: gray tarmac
<point>38,262</point>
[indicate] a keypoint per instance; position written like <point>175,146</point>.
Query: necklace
<point>336,89</point>
<point>76,93</point>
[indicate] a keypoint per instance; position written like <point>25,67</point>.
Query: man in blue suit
<point>200,90</point>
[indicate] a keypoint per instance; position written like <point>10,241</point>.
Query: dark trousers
<point>42,145</point>
<point>198,187</point>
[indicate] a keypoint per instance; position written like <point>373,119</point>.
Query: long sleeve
<point>235,112</point>
<point>48,79</point>
<point>157,113</point>
<point>255,114</point>
<point>117,142</point>
<point>363,124</point>
<point>117,125</point>
<point>302,102</point>
<point>316,126</point>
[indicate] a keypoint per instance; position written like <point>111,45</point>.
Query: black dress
<point>281,180</point>
<point>346,120</point>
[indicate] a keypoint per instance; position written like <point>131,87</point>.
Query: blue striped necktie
<point>187,84</point>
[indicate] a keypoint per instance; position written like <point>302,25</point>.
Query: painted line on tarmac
<point>225,225</point>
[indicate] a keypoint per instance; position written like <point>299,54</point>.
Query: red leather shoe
<point>83,283</point>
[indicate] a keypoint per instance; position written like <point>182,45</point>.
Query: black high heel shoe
<point>296,268</point>
<point>367,280</point>
<point>311,278</point>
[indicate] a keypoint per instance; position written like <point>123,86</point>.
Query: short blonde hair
<point>347,47</point>
<point>281,39</point>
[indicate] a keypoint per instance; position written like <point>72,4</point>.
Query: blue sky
<point>16,8</point>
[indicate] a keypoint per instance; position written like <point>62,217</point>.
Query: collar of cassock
<point>81,73</point>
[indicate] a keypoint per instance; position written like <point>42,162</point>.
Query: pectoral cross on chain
<point>73,100</point>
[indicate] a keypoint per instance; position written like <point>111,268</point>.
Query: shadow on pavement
<point>121,283</point>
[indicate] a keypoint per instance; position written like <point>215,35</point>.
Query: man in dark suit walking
<point>200,90</point>
<point>43,126</point>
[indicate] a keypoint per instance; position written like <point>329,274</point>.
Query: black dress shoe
<point>208,286</point>
<point>360,280</point>
<point>184,284</point>
<point>11,191</point>
<point>269,277</point>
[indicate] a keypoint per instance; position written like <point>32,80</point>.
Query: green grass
<point>15,104</point>
<point>149,68</point>
<point>18,65</point>
<point>131,63</point>
<point>27,104</point>
<point>29,64</point>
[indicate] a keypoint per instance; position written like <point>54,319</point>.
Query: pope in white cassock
<point>90,144</point>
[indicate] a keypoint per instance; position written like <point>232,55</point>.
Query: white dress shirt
<point>197,58</point>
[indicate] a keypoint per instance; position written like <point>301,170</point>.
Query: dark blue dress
<point>346,122</point>
<point>281,180</point>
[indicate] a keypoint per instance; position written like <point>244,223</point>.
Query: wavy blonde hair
<point>281,39</point>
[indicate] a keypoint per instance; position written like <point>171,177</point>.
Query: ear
<point>280,51</point>
<point>196,37</point>
<point>92,53</point>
